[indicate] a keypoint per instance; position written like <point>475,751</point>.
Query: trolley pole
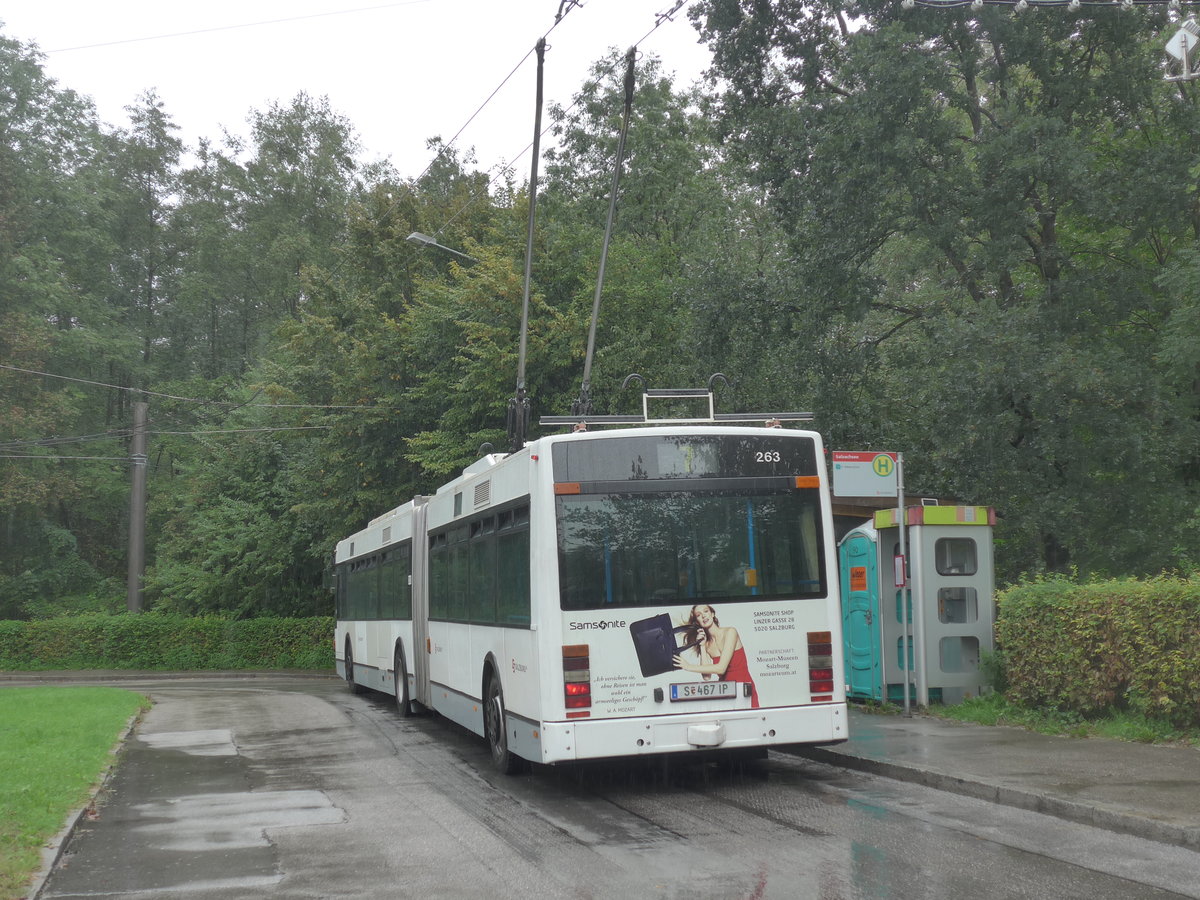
<point>137,509</point>
<point>518,405</point>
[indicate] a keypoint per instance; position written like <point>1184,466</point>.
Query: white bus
<point>606,594</point>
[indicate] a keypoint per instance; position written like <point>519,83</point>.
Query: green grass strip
<point>55,743</point>
<point>995,709</point>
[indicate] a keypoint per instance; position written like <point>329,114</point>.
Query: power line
<point>53,441</point>
<point>248,430</point>
<point>558,20</point>
<point>565,8</point>
<point>103,384</point>
<point>82,439</point>
<point>58,440</point>
<point>149,393</point>
<point>502,168</point>
<point>159,37</point>
<point>124,459</point>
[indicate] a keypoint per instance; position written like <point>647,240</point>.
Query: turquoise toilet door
<point>860,616</point>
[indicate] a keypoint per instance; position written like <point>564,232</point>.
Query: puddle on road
<point>215,742</point>
<point>177,795</point>
<point>225,820</point>
<point>232,820</point>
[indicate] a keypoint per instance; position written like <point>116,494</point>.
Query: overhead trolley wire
<point>558,20</point>
<point>504,167</point>
<point>5,446</point>
<point>565,8</point>
<point>159,37</point>
<point>246,430</point>
<point>37,456</point>
<point>197,433</point>
<point>228,403</point>
<point>58,441</point>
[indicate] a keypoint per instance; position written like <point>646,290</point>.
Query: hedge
<point>156,641</point>
<point>1092,647</point>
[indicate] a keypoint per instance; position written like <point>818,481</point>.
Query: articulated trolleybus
<point>634,591</point>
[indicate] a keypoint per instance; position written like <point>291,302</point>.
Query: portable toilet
<point>951,579</point>
<point>862,618</point>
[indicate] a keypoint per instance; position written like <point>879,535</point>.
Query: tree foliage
<point>986,212</point>
<point>961,234</point>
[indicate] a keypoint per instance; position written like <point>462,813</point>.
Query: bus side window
<point>342,579</point>
<point>358,590</point>
<point>481,604</point>
<point>404,582</point>
<point>459,575</point>
<point>387,586</point>
<point>439,576</point>
<point>513,603</point>
<point>374,572</point>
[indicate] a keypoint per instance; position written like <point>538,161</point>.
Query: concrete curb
<point>1115,820</point>
<point>53,850</point>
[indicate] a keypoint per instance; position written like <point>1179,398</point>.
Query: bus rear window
<point>650,548</point>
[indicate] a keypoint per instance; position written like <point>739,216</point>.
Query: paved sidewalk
<point>1150,791</point>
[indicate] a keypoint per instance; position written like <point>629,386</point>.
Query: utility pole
<point>137,509</point>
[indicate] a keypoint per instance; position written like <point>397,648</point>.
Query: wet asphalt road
<point>296,788</point>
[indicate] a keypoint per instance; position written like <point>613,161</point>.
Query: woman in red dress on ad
<point>720,649</point>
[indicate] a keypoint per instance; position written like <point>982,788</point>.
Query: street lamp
<point>1184,47</point>
<point>426,241</point>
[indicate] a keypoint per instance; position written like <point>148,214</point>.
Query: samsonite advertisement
<point>697,658</point>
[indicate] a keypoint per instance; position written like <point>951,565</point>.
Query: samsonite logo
<point>599,626</point>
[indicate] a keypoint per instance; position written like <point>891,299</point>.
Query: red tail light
<point>577,678</point>
<point>578,694</point>
<point>820,681</point>
<point>820,666</point>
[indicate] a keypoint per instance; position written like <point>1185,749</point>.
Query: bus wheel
<point>403,704</point>
<point>505,761</point>
<point>355,687</point>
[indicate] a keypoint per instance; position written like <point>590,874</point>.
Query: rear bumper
<point>823,723</point>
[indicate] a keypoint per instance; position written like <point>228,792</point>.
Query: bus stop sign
<point>864,473</point>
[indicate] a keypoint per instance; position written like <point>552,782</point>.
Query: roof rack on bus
<point>705,395</point>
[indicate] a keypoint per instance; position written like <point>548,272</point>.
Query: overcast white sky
<point>401,71</point>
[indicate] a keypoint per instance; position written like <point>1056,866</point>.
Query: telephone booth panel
<point>952,579</point>
<point>954,576</point>
<point>951,582</point>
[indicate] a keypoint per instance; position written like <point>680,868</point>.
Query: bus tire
<point>403,701</point>
<point>505,761</point>
<point>355,687</point>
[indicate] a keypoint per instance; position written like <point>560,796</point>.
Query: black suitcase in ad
<point>656,644</point>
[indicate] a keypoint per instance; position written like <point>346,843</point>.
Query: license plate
<point>704,690</point>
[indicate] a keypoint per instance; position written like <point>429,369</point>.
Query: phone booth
<point>951,579</point>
